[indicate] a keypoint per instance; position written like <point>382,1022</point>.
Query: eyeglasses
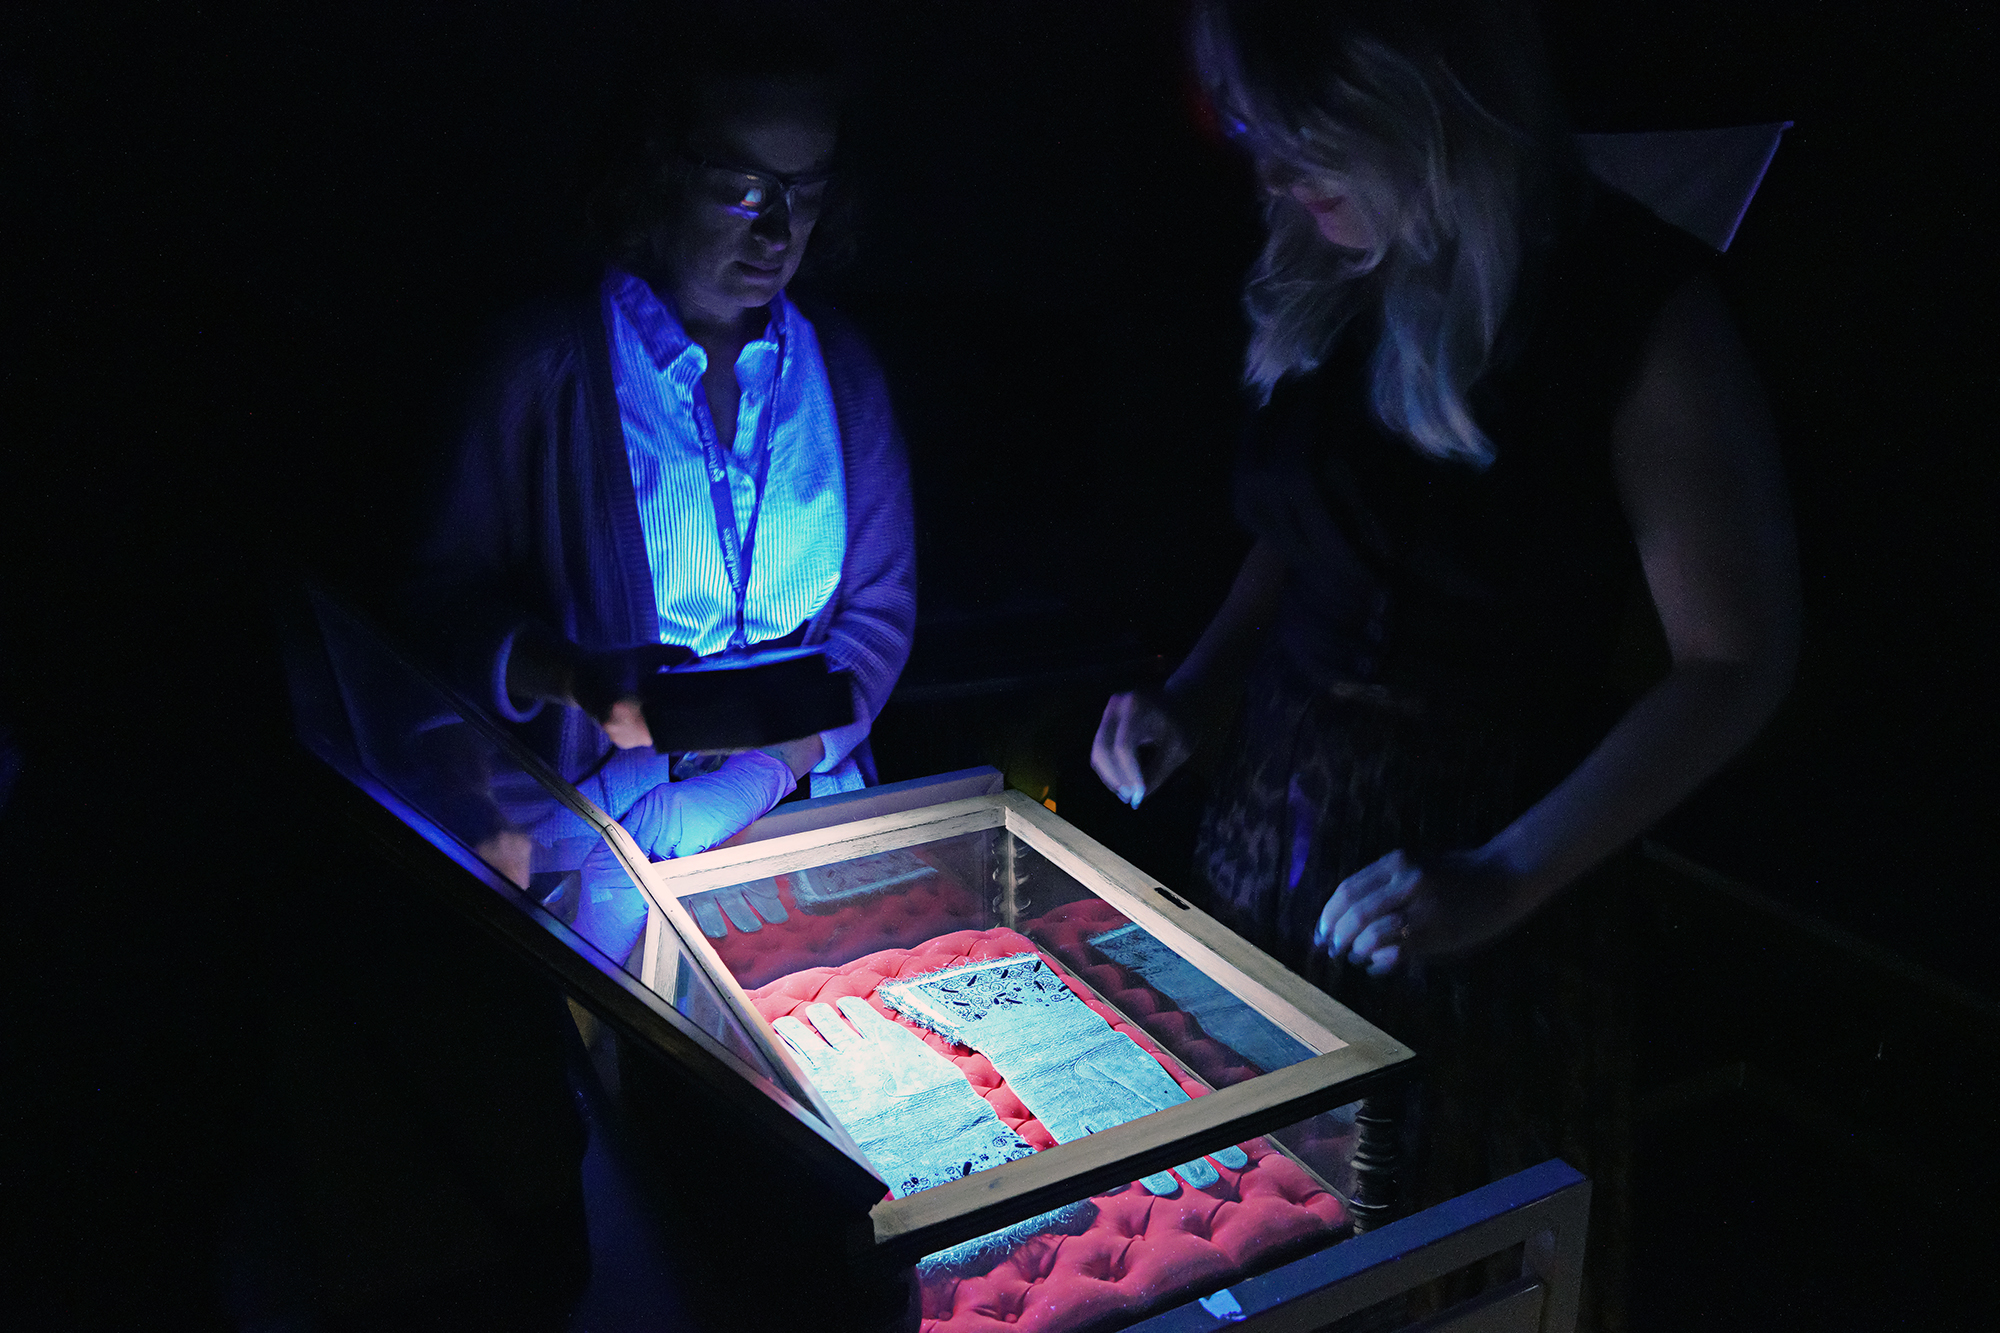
<point>751,194</point>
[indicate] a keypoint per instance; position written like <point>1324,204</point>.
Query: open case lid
<point>496,815</point>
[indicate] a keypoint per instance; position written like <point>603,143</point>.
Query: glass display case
<point>1021,1063</point>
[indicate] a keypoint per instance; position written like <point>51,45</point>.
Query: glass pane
<point>1214,1032</point>
<point>418,742</point>
<point>912,901</point>
<point>828,917</point>
<point>457,777</point>
<point>975,972</point>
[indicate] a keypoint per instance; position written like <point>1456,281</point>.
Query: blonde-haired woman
<point>1497,400</point>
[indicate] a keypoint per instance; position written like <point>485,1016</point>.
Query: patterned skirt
<point>1525,1047</point>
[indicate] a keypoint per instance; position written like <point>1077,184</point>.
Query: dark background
<point>252,252</point>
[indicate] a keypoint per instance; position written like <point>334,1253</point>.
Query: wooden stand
<point>1377,1159</point>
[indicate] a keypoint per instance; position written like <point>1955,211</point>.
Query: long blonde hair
<point>1364,99</point>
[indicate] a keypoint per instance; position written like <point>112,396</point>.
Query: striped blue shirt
<point>802,533</point>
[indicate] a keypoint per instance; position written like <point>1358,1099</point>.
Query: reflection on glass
<point>827,888</point>
<point>1223,1017</point>
<point>696,999</point>
<point>416,740</point>
<point>742,907</point>
<point>464,778</point>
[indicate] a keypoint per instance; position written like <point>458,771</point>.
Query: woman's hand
<point>1704,495</point>
<point>1142,741</point>
<point>1394,910</point>
<point>1139,745</point>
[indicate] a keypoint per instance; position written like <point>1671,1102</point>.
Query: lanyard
<point>738,550</point>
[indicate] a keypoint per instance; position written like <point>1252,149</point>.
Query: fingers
<point>737,908</point>
<point>666,824</point>
<point>822,1017</point>
<point>1111,758</point>
<point>708,916</point>
<point>1362,901</point>
<point>1366,913</point>
<point>1133,723</point>
<point>1355,889</point>
<point>810,1049</point>
<point>1198,1173</point>
<point>626,726</point>
<point>1158,746</point>
<point>866,1020</point>
<point>1385,960</point>
<point>1161,750</point>
<point>683,832</point>
<point>1383,932</point>
<point>1139,727</point>
<point>763,896</point>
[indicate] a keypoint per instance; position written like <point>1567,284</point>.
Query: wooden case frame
<point>1350,1056</point>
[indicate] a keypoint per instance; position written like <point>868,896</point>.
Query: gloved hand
<point>676,819</point>
<point>682,818</point>
<point>916,1118</point>
<point>610,910</point>
<point>1062,1060</point>
<point>1222,1015</point>
<point>746,907</point>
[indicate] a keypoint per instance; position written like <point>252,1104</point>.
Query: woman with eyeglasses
<point>1505,419</point>
<point>687,460</point>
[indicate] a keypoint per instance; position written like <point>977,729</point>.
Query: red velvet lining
<point>921,910</point>
<point>1142,1252</point>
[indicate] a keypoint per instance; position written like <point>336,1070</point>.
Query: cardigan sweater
<point>539,527</point>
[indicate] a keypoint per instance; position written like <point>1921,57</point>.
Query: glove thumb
<point>717,806</point>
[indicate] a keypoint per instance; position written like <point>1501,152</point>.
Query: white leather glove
<point>916,1118</point>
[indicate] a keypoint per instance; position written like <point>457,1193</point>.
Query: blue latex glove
<point>916,1118</point>
<point>1064,1062</point>
<point>675,819</point>
<point>682,818</point>
<point>610,910</point>
<point>1222,1015</point>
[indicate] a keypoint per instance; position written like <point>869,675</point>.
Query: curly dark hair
<point>637,191</point>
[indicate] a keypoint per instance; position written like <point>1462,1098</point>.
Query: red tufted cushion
<point>1142,1251</point>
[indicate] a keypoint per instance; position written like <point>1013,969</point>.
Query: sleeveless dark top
<point>1442,658</point>
<point>1490,596</point>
